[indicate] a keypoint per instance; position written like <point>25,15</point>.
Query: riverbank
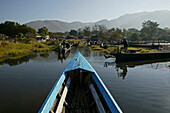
<point>13,50</point>
<point>114,49</point>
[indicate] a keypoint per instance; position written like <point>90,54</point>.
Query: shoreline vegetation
<point>17,41</point>
<point>14,50</point>
<point>115,49</point>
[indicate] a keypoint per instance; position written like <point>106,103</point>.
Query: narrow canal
<point>137,88</point>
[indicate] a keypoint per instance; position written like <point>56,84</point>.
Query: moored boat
<point>124,57</point>
<point>79,89</point>
<point>64,50</point>
<point>146,46</point>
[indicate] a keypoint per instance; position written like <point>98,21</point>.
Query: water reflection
<point>106,64</point>
<point>13,61</point>
<point>123,72</point>
<point>44,55</point>
<point>17,61</point>
<point>122,68</point>
<point>62,57</point>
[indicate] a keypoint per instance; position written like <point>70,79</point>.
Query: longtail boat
<point>79,89</point>
<point>124,57</point>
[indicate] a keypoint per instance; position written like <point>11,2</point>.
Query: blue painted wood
<point>45,108</point>
<point>106,94</point>
<point>79,62</point>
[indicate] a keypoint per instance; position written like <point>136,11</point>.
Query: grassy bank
<point>82,45</point>
<point>12,50</point>
<point>98,48</point>
<point>116,49</point>
<point>76,40</point>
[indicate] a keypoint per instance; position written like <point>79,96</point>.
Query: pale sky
<point>23,11</point>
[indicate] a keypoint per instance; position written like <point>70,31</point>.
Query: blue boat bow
<point>79,62</point>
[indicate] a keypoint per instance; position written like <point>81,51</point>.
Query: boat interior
<point>79,94</point>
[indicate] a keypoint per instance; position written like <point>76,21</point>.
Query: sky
<point>24,11</point>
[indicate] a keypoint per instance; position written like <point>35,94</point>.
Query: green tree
<point>3,37</point>
<point>168,33</point>
<point>118,30</point>
<point>111,30</point>
<point>20,37</point>
<point>95,29</point>
<point>102,32</point>
<point>80,32</point>
<point>43,31</point>
<point>12,29</point>
<point>73,32</point>
<point>162,34</point>
<point>87,32</point>
<point>134,37</point>
<point>56,35</point>
<point>150,28</point>
<point>133,34</point>
<point>114,34</point>
<point>124,33</point>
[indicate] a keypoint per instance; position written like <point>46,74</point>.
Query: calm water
<point>137,88</point>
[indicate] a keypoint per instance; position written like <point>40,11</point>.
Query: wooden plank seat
<point>97,99</point>
<point>63,97</point>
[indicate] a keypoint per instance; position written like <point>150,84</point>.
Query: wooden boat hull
<point>64,50</point>
<point>79,89</point>
<point>124,57</point>
<point>145,46</point>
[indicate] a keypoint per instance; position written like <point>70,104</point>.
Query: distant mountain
<point>135,20</point>
<point>56,25</point>
<point>126,21</point>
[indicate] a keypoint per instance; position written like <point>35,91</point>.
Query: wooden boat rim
<point>141,53</point>
<point>80,63</point>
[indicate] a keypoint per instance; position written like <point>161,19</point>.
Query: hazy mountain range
<point>126,21</point>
